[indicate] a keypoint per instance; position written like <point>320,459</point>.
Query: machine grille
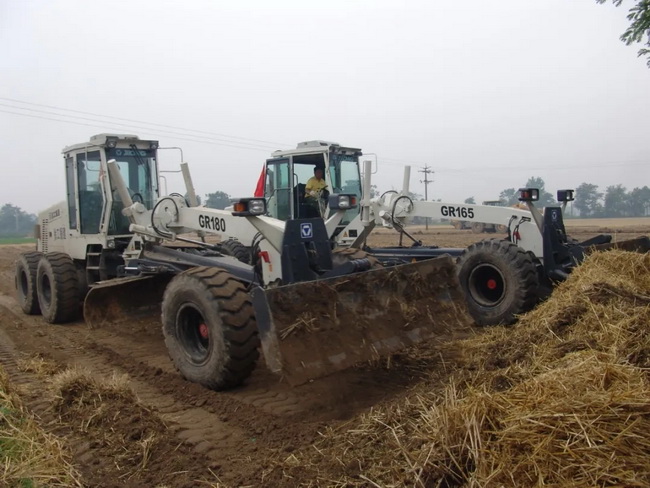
<point>44,234</point>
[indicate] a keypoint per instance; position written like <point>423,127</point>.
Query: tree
<point>510,196</point>
<point>198,198</point>
<point>639,17</point>
<point>588,200</point>
<point>15,223</point>
<point>218,199</point>
<point>616,204</point>
<point>470,201</point>
<point>639,202</point>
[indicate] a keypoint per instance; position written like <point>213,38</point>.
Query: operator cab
<point>287,173</point>
<point>93,207</point>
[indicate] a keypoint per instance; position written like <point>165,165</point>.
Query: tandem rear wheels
<point>48,284</point>
<point>499,280</point>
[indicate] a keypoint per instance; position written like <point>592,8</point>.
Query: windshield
<point>138,168</point>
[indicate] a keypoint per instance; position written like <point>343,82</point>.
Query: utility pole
<point>427,170</point>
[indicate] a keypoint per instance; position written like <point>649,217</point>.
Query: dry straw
<point>28,455</point>
<point>560,399</point>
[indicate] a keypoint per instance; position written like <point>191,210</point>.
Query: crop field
<point>562,398</point>
<point>17,240</point>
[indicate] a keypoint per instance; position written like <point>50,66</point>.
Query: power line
<point>274,144</point>
<point>105,127</point>
<point>213,138</point>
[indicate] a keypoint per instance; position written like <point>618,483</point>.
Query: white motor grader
<point>314,311</point>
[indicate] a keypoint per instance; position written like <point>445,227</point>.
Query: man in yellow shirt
<point>316,184</point>
<point>316,193</point>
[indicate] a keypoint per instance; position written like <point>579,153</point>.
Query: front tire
<point>57,286</point>
<point>236,249</point>
<point>26,293</point>
<point>499,280</point>
<point>209,328</point>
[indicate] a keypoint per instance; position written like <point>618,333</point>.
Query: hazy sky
<point>486,93</point>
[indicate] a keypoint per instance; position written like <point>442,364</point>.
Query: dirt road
<point>235,435</point>
<point>228,438</point>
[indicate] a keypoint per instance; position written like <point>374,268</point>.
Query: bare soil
<point>180,434</point>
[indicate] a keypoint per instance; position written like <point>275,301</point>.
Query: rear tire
<point>236,249</point>
<point>209,328</point>
<point>57,286</point>
<point>501,229</point>
<point>499,280</point>
<point>26,293</point>
<point>478,227</point>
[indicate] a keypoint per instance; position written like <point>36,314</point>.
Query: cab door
<point>279,188</point>
<point>89,190</point>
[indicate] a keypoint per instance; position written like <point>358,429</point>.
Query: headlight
<point>342,202</point>
<point>257,207</point>
<point>249,206</point>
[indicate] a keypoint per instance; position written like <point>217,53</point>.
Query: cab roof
<point>99,140</point>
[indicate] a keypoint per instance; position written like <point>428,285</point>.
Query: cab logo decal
<point>306,231</point>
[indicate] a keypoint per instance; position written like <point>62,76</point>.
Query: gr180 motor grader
<point>313,311</point>
<point>500,278</point>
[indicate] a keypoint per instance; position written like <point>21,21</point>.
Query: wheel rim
<point>46,290</point>
<point>486,285</point>
<point>193,333</point>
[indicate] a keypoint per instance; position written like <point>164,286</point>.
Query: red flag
<point>259,189</point>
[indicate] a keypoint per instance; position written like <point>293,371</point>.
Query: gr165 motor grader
<point>500,278</point>
<point>313,311</point>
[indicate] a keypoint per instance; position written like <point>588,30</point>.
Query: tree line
<point>589,202</point>
<point>14,222</point>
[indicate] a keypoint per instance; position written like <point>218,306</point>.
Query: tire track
<point>197,427</point>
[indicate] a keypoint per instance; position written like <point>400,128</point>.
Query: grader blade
<point>315,328</point>
<point>639,244</point>
<point>123,299</point>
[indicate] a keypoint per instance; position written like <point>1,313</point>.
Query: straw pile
<point>28,455</point>
<point>560,399</point>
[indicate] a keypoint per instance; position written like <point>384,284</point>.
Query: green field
<point>16,240</point>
